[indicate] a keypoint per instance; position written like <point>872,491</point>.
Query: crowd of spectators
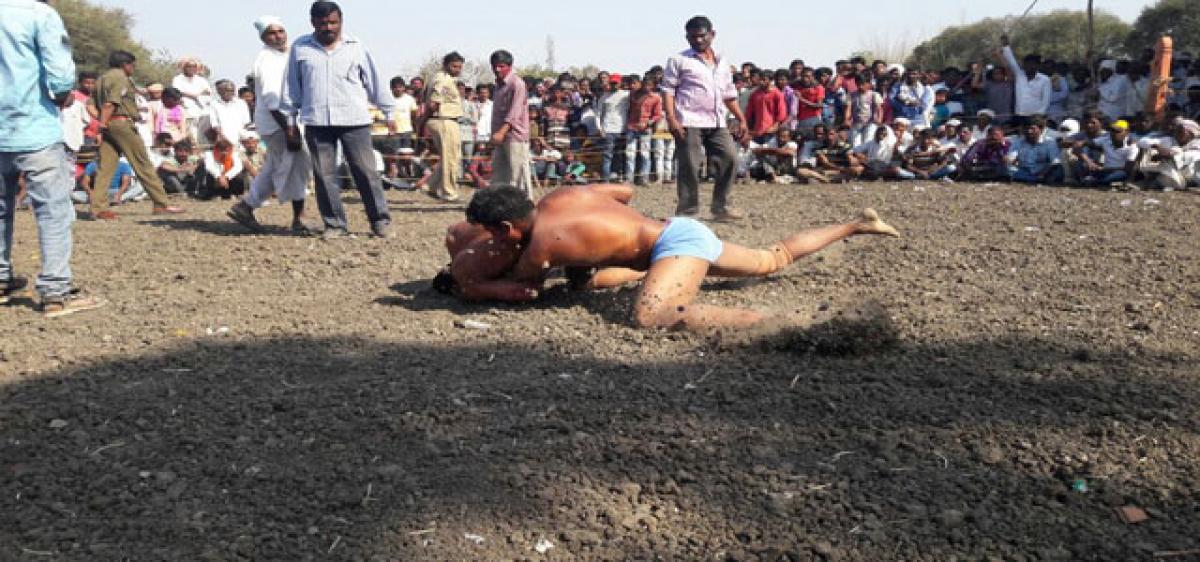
<point>1031,120</point>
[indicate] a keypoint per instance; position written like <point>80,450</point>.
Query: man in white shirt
<point>1172,161</point>
<point>287,169</point>
<point>1114,89</point>
<point>1033,90</point>
<point>229,115</point>
<point>612,109</point>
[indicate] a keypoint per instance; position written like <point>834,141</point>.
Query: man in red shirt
<point>811,99</point>
<point>86,87</point>
<point>767,109</point>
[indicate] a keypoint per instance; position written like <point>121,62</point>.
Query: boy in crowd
<point>927,159</point>
<point>645,112</point>
<point>178,172</point>
<point>775,161</point>
<point>864,113</point>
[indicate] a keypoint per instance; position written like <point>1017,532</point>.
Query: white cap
<point>987,112</point>
<point>248,135</point>
<point>264,23</point>
<point>954,123</point>
<point>1069,126</point>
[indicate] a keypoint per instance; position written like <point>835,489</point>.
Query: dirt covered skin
<point>937,397</point>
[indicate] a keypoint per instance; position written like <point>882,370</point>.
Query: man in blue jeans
<point>38,74</point>
<point>331,83</point>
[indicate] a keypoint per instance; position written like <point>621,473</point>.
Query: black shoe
<point>14,287</point>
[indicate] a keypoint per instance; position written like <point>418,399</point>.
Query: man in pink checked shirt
<point>699,93</point>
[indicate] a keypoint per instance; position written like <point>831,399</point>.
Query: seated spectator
<point>252,154</point>
<point>1085,153</point>
<point>1120,157</point>
<point>180,172</point>
<point>1036,157</point>
<point>983,122</point>
<point>876,159</point>
<point>901,136</point>
<point>1170,162</point>
<point>928,160</point>
<point>172,118</point>
<point>479,172</point>
<point>987,159</point>
<point>223,172</point>
<point>124,188</point>
<point>574,169</point>
<point>775,161</point>
<point>547,161</point>
<point>833,156</point>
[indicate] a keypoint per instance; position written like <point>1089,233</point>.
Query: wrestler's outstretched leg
<point>740,261</point>
<point>670,286</point>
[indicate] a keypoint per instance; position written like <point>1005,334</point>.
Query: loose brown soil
<point>960,382</point>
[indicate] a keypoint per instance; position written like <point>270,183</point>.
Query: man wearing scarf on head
<point>287,168</point>
<point>1172,161</point>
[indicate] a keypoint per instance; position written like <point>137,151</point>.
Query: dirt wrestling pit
<point>1015,379</point>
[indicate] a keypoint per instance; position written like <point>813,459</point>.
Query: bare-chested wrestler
<point>507,246</point>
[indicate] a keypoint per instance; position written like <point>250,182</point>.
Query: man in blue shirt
<point>121,189</point>
<point>1037,157</point>
<point>330,83</point>
<point>37,74</point>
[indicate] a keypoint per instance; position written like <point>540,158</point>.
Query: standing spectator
<point>699,91</point>
<point>195,90</point>
<point>83,93</point>
<point>37,73</point>
<point>864,113</point>
<point>1114,89</point>
<point>510,126</point>
<point>228,115</point>
<point>767,110</point>
<point>810,103</point>
<point>246,94</point>
<point>116,99</point>
<point>406,108</point>
<point>170,117</point>
<point>1032,89</point>
<point>443,109</point>
<point>645,111</point>
<point>997,92</point>
<point>483,108</point>
<point>467,125</point>
<point>286,168</point>
<point>612,110</point>
<point>331,82</point>
<point>913,100</point>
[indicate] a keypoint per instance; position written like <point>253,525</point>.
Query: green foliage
<point>1060,35</point>
<point>1178,18</point>
<point>96,31</point>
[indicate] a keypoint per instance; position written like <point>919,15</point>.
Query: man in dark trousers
<point>698,86</point>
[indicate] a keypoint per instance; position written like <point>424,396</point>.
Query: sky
<point>624,36</point>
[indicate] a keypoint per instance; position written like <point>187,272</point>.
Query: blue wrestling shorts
<point>687,237</point>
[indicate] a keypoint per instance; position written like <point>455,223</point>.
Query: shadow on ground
<point>307,448</point>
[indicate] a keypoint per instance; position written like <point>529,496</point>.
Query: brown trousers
<point>122,139</point>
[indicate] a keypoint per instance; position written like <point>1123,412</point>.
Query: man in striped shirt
<point>330,83</point>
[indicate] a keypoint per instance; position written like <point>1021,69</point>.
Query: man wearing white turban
<point>1173,161</point>
<point>287,168</point>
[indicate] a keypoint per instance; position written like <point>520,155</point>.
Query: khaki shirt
<point>443,90</point>
<point>116,88</point>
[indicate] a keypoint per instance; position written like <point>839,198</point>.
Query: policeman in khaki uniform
<point>444,107</point>
<point>117,103</point>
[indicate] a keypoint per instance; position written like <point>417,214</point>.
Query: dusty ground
<point>1020,339</point>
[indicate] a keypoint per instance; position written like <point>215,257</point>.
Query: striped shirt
<point>333,88</point>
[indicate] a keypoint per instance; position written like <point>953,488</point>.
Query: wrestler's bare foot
<point>870,223</point>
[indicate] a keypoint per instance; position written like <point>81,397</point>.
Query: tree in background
<point>97,31</point>
<point>1178,18</point>
<point>1060,35</point>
